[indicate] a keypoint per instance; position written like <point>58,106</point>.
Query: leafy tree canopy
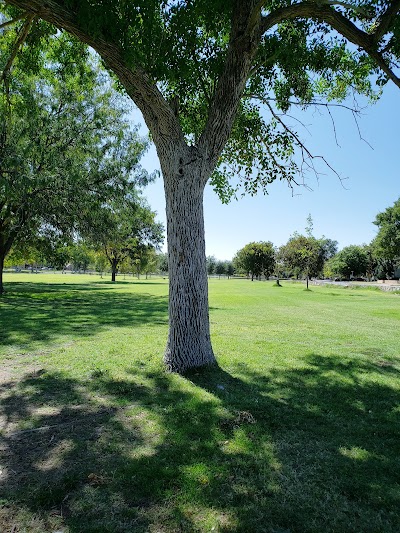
<point>185,48</point>
<point>302,255</point>
<point>350,262</point>
<point>256,258</point>
<point>387,242</point>
<point>65,145</point>
<point>125,229</point>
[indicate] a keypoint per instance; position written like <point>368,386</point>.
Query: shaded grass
<point>34,313</point>
<point>297,430</point>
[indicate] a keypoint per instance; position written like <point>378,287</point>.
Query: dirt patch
<point>12,371</point>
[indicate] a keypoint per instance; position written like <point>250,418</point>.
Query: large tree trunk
<point>189,343</point>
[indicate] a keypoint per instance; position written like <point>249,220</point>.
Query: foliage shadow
<point>308,449</point>
<point>38,312</point>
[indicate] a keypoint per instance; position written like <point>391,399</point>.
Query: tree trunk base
<point>180,363</point>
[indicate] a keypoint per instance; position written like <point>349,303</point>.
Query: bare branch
<point>334,127</point>
<point>302,146</point>
<point>305,104</point>
<point>359,132</point>
<point>288,130</point>
<point>354,112</point>
<point>299,121</point>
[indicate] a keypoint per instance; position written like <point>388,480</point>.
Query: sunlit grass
<point>296,431</point>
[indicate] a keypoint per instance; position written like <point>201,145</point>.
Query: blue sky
<point>341,211</point>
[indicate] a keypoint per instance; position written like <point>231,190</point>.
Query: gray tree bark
<point>189,343</point>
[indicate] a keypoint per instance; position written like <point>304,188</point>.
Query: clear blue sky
<point>343,214</point>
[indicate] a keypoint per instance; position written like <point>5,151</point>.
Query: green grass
<point>296,431</point>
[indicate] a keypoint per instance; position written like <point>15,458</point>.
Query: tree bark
<point>7,239</point>
<point>113,271</point>
<point>2,257</point>
<point>189,343</point>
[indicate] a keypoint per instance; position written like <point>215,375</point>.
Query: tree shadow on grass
<point>37,312</point>
<point>305,450</point>
<point>335,432</point>
<point>131,281</point>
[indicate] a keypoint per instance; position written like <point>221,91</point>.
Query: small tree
<point>350,262</point>
<point>279,266</point>
<point>220,268</point>
<point>229,268</point>
<point>81,256</point>
<point>255,259</point>
<point>211,264</point>
<point>151,263</point>
<point>162,262</point>
<point>142,259</point>
<point>302,255</point>
<point>372,261</point>
<point>100,262</point>
<point>125,230</point>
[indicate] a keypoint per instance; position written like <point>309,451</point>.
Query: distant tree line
<point>82,257</point>
<point>305,256</point>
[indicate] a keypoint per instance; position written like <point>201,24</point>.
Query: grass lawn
<point>298,430</point>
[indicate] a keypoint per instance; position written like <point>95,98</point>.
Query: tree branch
<point>302,146</point>
<point>385,20</point>
<point>355,111</point>
<point>22,35</point>
<point>13,21</point>
<point>377,56</point>
<point>324,13</point>
<point>346,5</point>
<point>264,100</point>
<point>157,113</point>
<point>289,131</point>
<point>242,48</point>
